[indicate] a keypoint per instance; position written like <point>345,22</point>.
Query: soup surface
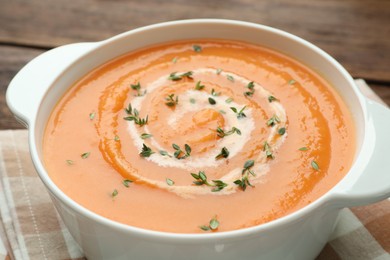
<point>199,136</point>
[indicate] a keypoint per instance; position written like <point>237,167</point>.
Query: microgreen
<point>146,151</point>
<point>134,116</point>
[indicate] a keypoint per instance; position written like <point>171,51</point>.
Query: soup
<point>199,136</point>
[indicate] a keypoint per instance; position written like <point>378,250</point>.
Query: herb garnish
<point>174,60</point>
<point>197,48</point>
<point>282,131</point>
<point>244,182</point>
<point>164,153</point>
<point>273,120</point>
<point>303,149</point>
<point>315,165</point>
<point>169,181</point>
<point>134,116</point>
<point>116,138</point>
<point>92,115</point>
<point>145,136</point>
<point>137,87</point>
<point>230,78</point>
<point>178,151</point>
<point>240,114</point>
<point>223,154</point>
<point>175,77</point>
<point>114,193</point>
<point>267,149</point>
<point>199,86</point>
<point>214,93</point>
<point>171,101</point>
<point>251,87</point>
<point>69,162</point>
<point>229,100</point>
<point>291,82</point>
<point>212,101</point>
<point>272,98</point>
<point>201,179</point>
<point>126,183</point>
<point>213,225</point>
<point>221,133</point>
<point>85,155</point>
<point>218,71</point>
<point>146,151</point>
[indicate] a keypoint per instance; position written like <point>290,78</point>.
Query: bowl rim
<point>281,222</point>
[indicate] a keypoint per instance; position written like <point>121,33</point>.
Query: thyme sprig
<point>223,154</point>
<point>240,114</point>
<point>244,182</point>
<point>273,120</point>
<point>134,116</point>
<point>267,150</point>
<point>272,98</point>
<point>221,133</point>
<point>171,101</point>
<point>251,87</point>
<point>213,225</point>
<point>178,151</point>
<point>175,77</point>
<point>146,151</point>
<point>199,85</point>
<point>201,179</point>
<point>137,87</point>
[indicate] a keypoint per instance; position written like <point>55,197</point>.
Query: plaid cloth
<point>31,228</point>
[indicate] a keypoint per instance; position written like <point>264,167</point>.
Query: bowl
<point>37,88</point>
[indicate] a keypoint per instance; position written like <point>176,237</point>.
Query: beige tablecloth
<point>30,227</point>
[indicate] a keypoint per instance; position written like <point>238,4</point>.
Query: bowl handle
<point>29,86</point>
<point>374,183</point>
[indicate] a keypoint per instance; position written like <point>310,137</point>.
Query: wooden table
<point>355,32</point>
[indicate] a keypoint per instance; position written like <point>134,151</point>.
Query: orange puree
<point>233,132</point>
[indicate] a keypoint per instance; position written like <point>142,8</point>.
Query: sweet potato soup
<point>199,136</point>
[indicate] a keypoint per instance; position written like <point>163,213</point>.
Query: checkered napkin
<point>30,227</point>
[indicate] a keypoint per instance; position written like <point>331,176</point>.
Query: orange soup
<point>199,136</point>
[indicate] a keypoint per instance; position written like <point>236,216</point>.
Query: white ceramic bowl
<point>35,90</point>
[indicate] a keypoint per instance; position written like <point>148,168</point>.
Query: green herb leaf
<point>145,136</point>
<point>214,93</point>
<point>291,82</point>
<point>134,116</point>
<point>251,87</point>
<point>146,151</point>
<point>229,100</point>
<point>116,138</point>
<point>92,115</point>
<point>169,181</point>
<point>69,162</point>
<point>303,149</point>
<point>248,164</point>
<point>126,182</point>
<point>214,223</point>
<point>244,182</point>
<point>204,228</point>
<point>175,77</point>
<point>199,86</point>
<point>272,98</point>
<point>267,149</point>
<point>114,193</point>
<point>137,87</point>
<point>273,120</point>
<point>171,101</point>
<point>85,155</point>
<point>282,131</point>
<point>221,133</point>
<point>212,101</point>
<point>240,114</point>
<point>164,153</point>
<point>315,165</point>
<point>219,185</point>
<point>219,71</point>
<point>223,154</point>
<point>197,48</point>
<point>174,60</point>
<point>230,78</point>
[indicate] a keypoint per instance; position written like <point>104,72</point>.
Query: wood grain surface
<point>355,32</point>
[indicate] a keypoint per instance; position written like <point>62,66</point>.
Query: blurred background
<point>355,32</point>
